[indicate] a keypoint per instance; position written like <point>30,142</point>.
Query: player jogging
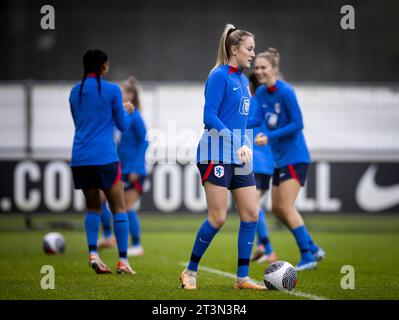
<point>223,152</point>
<point>278,107</point>
<point>96,105</point>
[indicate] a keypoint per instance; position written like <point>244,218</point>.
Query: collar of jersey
<point>233,69</point>
<point>272,88</point>
<point>92,75</point>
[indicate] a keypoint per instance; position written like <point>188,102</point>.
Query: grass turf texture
<point>368,243</point>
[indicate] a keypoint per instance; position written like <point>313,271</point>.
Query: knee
<point>284,209</point>
<point>253,214</point>
<point>117,208</point>
<point>217,221</point>
<point>276,208</point>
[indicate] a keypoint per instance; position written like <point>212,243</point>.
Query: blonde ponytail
<point>230,37</point>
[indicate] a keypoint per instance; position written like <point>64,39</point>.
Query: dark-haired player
<point>96,105</point>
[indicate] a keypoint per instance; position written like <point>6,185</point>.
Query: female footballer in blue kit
<point>278,107</point>
<point>224,153</point>
<point>263,167</point>
<point>131,149</point>
<point>96,105</point>
<point>132,146</point>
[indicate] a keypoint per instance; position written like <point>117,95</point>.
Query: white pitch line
<point>233,276</point>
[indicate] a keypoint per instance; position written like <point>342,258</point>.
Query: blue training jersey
<point>94,117</point>
<point>133,145</point>
<point>227,103</point>
<point>278,107</point>
<point>262,155</point>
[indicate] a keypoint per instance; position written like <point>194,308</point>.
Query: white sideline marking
<point>233,276</point>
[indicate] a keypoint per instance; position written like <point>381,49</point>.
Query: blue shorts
<point>297,171</point>
<point>262,181</point>
<point>137,185</point>
<point>224,175</point>
<point>90,177</point>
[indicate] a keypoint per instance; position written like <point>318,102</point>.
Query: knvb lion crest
<point>219,171</point>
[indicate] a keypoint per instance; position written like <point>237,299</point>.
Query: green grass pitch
<point>368,243</point>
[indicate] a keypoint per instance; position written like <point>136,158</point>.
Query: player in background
<point>131,149</point>
<point>96,105</point>
<point>132,145</point>
<point>107,240</point>
<point>278,107</point>
<point>224,155</point>
<point>263,167</point>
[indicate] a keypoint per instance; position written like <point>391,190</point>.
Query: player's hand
<point>244,154</point>
<point>261,139</point>
<point>129,107</point>
<point>133,177</point>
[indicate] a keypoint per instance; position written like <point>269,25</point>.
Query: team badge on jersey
<point>218,171</point>
<point>271,120</point>
<point>277,107</point>
<point>244,106</point>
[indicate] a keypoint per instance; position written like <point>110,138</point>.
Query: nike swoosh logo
<point>203,241</point>
<point>372,197</point>
<point>250,242</point>
<point>236,88</point>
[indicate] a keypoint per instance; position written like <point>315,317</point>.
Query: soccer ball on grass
<point>53,243</point>
<point>280,275</point>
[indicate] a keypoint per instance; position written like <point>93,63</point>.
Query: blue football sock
<point>263,234</point>
<point>121,227</point>
<point>92,225</point>
<point>302,240</point>
<point>260,227</point>
<point>106,220</point>
<point>134,223</point>
<point>246,237</point>
<point>312,245</point>
<point>204,237</point>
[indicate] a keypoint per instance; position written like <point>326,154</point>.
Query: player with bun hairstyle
<point>278,107</point>
<point>96,105</point>
<point>224,155</point>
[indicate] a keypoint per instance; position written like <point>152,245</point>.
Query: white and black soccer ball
<point>280,275</point>
<point>53,243</point>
